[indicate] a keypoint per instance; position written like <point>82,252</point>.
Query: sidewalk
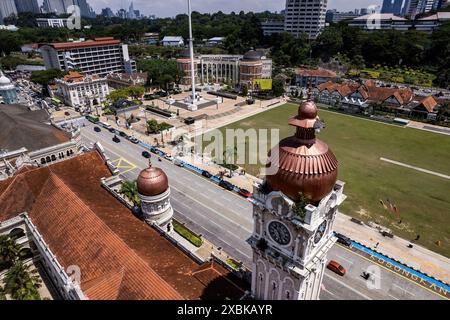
<point>417,257</point>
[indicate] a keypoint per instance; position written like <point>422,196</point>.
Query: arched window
<point>68,153</point>
<point>53,157</point>
<point>48,159</point>
<point>42,160</point>
<point>288,295</point>
<point>25,253</point>
<point>17,233</point>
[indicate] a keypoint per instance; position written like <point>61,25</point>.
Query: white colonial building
<point>82,91</point>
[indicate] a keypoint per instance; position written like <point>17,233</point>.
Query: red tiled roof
<point>315,73</point>
<point>428,103</point>
<point>120,257</point>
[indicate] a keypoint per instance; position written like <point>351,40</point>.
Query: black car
<point>122,134</point>
<point>97,129</point>
<point>116,139</point>
<point>206,174</point>
<point>346,241</point>
<point>112,130</point>
<point>189,120</point>
<point>226,185</point>
<point>146,154</point>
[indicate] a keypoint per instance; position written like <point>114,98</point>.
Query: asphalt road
<point>225,219</point>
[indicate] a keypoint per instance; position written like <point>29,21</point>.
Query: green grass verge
<point>187,234</point>
<point>422,199</point>
<point>233,264</point>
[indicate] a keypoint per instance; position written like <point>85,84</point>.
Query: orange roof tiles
<point>315,73</point>
<point>106,41</point>
<point>120,257</point>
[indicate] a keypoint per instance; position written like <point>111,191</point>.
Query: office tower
<point>305,16</point>
<point>100,56</point>
<point>27,6</point>
<point>7,8</point>
<point>107,12</point>
<point>392,6</point>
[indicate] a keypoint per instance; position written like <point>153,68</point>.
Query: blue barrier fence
<point>400,265</point>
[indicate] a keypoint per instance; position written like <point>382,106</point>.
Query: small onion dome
<point>152,182</point>
<point>252,55</point>
<point>305,164</point>
<point>3,79</point>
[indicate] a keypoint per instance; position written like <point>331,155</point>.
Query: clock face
<point>279,233</point>
<point>320,231</point>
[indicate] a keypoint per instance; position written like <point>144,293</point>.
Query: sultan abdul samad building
<point>67,220</point>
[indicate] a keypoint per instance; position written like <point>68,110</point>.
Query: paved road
<point>225,219</point>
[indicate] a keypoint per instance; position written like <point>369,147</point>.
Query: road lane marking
<point>373,262</point>
<point>390,295</point>
<point>403,289</point>
<point>348,287</point>
<point>340,257</point>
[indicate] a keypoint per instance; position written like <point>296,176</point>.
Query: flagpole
<point>191,49</point>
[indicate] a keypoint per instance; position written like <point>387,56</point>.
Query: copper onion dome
<point>152,182</point>
<point>305,164</point>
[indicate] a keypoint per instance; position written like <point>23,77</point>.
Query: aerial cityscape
<point>234,151</point>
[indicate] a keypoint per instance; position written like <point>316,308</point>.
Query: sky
<point>170,8</point>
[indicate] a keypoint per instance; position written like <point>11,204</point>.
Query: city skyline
<point>164,8</point>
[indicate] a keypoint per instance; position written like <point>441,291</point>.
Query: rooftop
<point>104,41</point>
<point>172,38</point>
<point>315,73</point>
<point>120,257</point>
<point>381,16</point>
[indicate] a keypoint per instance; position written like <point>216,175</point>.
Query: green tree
<point>299,206</point>
<point>9,251</point>
<point>278,88</point>
<point>129,191</point>
<point>21,282</point>
<point>153,126</point>
<point>244,90</point>
<point>45,77</point>
<point>228,158</point>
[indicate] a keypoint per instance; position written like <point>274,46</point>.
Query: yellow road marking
<point>374,262</point>
<point>122,163</point>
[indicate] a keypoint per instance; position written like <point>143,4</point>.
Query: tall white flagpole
<point>191,49</point>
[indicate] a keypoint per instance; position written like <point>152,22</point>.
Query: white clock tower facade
<point>294,212</point>
<point>289,251</point>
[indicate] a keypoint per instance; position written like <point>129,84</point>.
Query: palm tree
<point>22,283</point>
<point>9,251</point>
<point>129,191</point>
<point>229,154</point>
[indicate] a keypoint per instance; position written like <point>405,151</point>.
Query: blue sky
<point>169,8</point>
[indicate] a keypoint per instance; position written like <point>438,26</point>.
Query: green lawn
<point>423,200</point>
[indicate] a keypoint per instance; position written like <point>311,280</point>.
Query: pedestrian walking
<point>376,246</point>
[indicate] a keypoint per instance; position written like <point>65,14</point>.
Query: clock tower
<point>294,211</point>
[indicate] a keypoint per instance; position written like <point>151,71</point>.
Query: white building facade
<point>100,56</point>
<point>305,17</point>
<point>84,91</point>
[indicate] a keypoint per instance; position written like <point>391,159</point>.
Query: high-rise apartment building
<point>100,56</point>
<point>62,6</point>
<point>305,17</point>
<point>27,6</point>
<point>392,6</point>
<point>7,8</point>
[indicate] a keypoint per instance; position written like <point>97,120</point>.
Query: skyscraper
<point>62,6</point>
<point>107,12</point>
<point>27,6</point>
<point>416,7</point>
<point>305,16</point>
<point>7,8</point>
<point>392,6</point>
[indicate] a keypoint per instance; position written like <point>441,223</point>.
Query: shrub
<point>187,234</point>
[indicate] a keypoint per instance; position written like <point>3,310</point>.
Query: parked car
<point>336,268</point>
<point>226,185</point>
<point>168,157</point>
<point>112,130</point>
<point>134,140</point>
<point>206,174</point>
<point>116,139</point>
<point>245,193</point>
<point>346,241</point>
<point>189,120</point>
<point>146,154</point>
<point>97,129</point>
<point>178,163</point>
<point>122,134</point>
